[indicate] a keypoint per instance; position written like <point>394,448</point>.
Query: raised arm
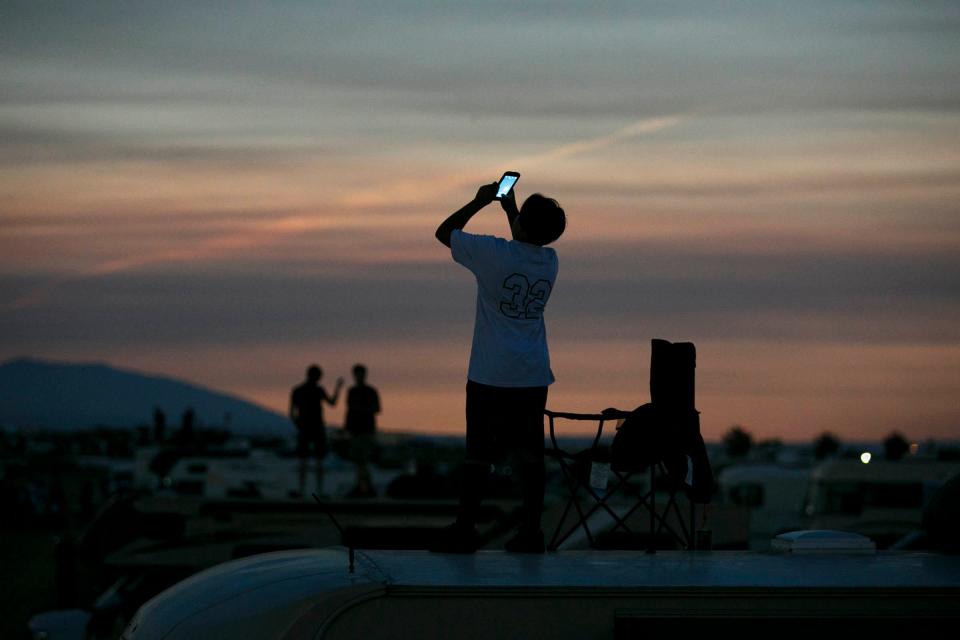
<point>332,400</point>
<point>459,218</point>
<point>509,204</point>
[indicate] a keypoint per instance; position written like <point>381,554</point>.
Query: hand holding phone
<point>505,186</point>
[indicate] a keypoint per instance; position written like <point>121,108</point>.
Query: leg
<point>303,474</point>
<point>473,483</point>
<point>361,447</point>
<point>525,433</point>
<point>528,440</point>
<point>303,452</point>
<point>320,449</point>
<point>532,474</point>
<point>479,453</point>
<point>462,536</point>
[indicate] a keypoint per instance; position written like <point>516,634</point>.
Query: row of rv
<point>881,499</point>
<point>235,505</point>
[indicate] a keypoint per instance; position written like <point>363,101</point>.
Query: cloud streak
<point>256,234</point>
<point>593,145</point>
<point>420,191</point>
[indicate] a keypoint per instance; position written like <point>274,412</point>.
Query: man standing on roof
<point>306,413</point>
<point>363,405</point>
<point>509,361</point>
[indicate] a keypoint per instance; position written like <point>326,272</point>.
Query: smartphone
<point>506,183</point>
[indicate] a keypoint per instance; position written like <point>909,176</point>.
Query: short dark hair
<point>542,219</point>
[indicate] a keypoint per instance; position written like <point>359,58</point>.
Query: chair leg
<point>685,535</point>
<point>600,502</point>
<point>664,524</point>
<point>572,485</point>
<point>554,541</point>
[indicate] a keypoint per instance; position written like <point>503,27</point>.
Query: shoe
<point>456,538</point>
<point>526,541</point>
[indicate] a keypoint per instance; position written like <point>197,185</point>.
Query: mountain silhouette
<point>58,395</point>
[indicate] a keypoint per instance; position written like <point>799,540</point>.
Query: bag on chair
<point>650,435</point>
<point>641,440</point>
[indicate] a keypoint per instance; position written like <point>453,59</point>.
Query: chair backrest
<point>673,367</point>
<point>672,374</point>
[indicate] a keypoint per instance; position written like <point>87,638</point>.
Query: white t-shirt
<point>514,281</point>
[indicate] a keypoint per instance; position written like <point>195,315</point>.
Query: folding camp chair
<point>657,438</point>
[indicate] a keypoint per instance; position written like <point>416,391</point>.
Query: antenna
<point>343,535</point>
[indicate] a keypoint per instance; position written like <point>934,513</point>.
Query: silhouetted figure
<point>159,425</point>
<point>509,362</point>
<point>363,405</point>
<point>306,412</point>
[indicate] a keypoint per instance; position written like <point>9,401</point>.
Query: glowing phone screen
<point>506,183</point>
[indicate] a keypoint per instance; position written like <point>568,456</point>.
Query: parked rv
<point>309,594</point>
<point>882,499</point>
<point>774,495</point>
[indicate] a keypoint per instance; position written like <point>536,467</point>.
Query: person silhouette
<point>306,413</point>
<point>363,405</point>
<point>509,368</point>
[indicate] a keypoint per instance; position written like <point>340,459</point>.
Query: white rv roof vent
<point>823,541</point>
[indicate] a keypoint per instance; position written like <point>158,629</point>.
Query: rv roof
<point>887,471</point>
<point>312,588</point>
<point>665,569</point>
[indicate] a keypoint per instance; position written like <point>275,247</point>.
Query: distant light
<point>914,448</point>
<point>865,457</point>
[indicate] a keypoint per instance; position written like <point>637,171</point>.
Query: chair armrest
<point>606,414</point>
<point>599,418</point>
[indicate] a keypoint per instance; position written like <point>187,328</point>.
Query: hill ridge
<point>55,394</point>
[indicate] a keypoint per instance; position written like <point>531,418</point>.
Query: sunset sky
<point>227,192</point>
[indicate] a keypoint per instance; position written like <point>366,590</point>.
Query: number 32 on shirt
<point>524,300</point>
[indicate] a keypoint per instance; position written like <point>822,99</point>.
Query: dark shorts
<point>312,440</point>
<point>504,420</point>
